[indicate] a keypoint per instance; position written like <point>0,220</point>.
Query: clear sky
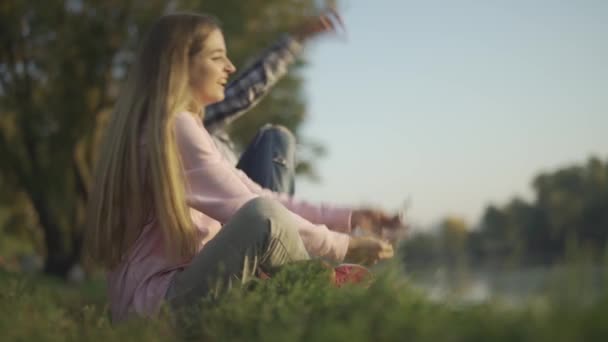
<point>455,104</point>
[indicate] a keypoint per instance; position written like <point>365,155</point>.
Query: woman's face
<point>209,70</point>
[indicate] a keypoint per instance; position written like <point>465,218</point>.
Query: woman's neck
<point>197,110</point>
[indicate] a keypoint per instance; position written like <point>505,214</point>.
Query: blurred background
<point>486,120</point>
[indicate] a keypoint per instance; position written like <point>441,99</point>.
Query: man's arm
<point>253,84</point>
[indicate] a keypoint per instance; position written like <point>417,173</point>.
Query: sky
<point>454,105</point>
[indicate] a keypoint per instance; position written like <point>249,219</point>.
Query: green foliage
<point>297,305</point>
<point>61,65</point>
<point>569,209</point>
<point>570,205</point>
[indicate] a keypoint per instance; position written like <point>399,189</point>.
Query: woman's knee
<point>284,243</point>
<point>259,211</point>
<point>262,208</point>
<point>278,133</point>
<point>267,212</point>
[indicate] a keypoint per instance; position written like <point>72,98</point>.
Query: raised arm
<point>215,189</point>
<point>251,85</point>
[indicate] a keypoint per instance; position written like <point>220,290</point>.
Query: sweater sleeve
<point>215,188</point>
<point>336,218</point>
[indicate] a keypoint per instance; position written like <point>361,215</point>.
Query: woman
<point>169,217</point>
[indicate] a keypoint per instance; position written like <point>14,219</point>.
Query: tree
<point>61,65</point>
<point>569,209</point>
<point>454,235</point>
<point>573,201</point>
<point>421,250</point>
<point>570,203</point>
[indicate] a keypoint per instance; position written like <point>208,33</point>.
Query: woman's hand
<point>367,250</point>
<point>328,21</point>
<point>375,221</point>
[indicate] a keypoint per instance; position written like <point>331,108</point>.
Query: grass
<point>297,305</point>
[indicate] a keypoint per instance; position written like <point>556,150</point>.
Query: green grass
<point>297,305</point>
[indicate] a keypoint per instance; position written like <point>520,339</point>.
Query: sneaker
<point>351,274</point>
<point>343,274</point>
<point>262,275</point>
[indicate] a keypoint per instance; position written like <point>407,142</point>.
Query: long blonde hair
<point>130,188</point>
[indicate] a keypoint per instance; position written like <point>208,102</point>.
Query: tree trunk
<point>61,255</point>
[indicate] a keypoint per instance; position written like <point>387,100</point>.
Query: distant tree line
<point>569,211</point>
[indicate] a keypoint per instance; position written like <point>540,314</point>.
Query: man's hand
<point>367,250</point>
<point>328,21</point>
<point>375,221</point>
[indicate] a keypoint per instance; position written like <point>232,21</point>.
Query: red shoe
<point>350,274</point>
<point>262,275</point>
<point>343,274</point>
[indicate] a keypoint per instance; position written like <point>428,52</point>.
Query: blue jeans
<point>268,160</point>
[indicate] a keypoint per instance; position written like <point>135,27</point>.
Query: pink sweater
<point>215,191</point>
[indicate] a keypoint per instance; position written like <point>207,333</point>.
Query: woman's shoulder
<point>192,137</point>
<point>188,118</point>
<point>189,123</point>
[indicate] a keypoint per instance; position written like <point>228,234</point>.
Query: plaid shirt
<point>251,85</point>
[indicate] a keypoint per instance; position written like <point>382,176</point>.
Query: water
<point>513,286</point>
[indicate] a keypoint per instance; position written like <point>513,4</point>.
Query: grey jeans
<point>262,234</point>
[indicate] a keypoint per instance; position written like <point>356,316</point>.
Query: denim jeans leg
<point>269,160</point>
